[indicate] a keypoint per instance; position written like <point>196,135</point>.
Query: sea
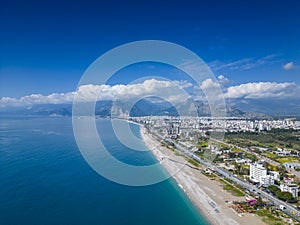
<point>45,180</point>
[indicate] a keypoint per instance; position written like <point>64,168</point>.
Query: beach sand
<point>208,195</point>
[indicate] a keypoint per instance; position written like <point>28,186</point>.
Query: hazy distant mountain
<point>203,109</point>
<point>40,109</point>
<point>146,107</point>
<point>274,107</point>
<point>153,108</point>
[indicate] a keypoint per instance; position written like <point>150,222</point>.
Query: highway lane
<point>289,209</point>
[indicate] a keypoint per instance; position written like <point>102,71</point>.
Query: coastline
<point>206,194</point>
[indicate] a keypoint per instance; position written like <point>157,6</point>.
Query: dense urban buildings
<point>272,169</point>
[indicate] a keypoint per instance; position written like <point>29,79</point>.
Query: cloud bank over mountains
<point>173,91</point>
<point>263,90</point>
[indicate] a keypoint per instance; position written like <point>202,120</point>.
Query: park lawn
<point>268,217</point>
<point>288,159</point>
<point>270,155</point>
<point>230,188</point>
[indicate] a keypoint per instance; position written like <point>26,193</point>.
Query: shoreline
<point>207,195</point>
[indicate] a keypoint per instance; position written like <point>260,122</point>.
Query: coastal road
<point>289,209</point>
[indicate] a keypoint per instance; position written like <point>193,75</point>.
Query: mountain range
<point>157,107</point>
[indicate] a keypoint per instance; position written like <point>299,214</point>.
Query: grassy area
<point>287,159</point>
<point>273,168</point>
<point>202,144</point>
<point>283,138</point>
<point>193,162</point>
<point>243,142</point>
<point>268,217</point>
<point>164,144</point>
<point>209,175</point>
<point>237,150</point>
<point>281,159</point>
<point>230,188</point>
<point>270,155</point>
<point>177,153</point>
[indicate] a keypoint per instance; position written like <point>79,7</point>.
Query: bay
<point>45,180</point>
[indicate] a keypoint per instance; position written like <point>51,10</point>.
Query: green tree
<point>273,189</point>
<point>287,196</point>
<point>279,194</point>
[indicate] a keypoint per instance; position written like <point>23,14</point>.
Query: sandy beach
<point>208,195</point>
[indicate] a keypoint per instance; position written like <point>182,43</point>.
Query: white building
<point>267,180</point>
<point>257,172</point>
<point>275,175</point>
<point>290,187</point>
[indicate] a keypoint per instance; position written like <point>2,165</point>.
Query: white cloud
<point>55,98</point>
<point>183,84</point>
<point>254,90</point>
<point>243,64</point>
<point>223,80</point>
<point>289,66</point>
<point>213,86</point>
<point>171,91</point>
<point>209,85</point>
<point>263,90</point>
<point>209,90</point>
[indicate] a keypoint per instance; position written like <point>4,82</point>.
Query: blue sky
<point>47,45</point>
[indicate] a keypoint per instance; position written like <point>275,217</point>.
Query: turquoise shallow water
<point>45,180</point>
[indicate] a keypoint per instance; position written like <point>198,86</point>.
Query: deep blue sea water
<point>45,180</point>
